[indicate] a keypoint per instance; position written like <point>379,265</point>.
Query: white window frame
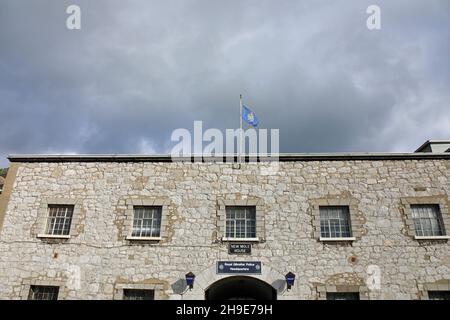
<point>356,218</point>
<point>43,218</point>
<point>347,220</point>
<point>56,212</point>
<point>127,232</point>
<point>418,209</point>
<point>406,209</point>
<point>135,211</point>
<point>245,219</point>
<point>259,213</point>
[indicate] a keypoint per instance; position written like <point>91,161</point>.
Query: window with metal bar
<point>43,293</point>
<point>427,220</point>
<point>59,219</point>
<point>335,222</point>
<point>439,295</point>
<point>342,295</point>
<point>147,221</point>
<point>138,294</point>
<point>241,222</point>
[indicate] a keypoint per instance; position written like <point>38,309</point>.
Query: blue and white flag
<point>249,116</point>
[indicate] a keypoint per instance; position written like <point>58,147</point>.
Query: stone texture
<point>98,262</point>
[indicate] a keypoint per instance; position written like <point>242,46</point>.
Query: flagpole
<point>240,132</point>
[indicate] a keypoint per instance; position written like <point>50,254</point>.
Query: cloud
<point>137,70</point>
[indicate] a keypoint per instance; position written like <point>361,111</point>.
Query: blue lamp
<point>290,279</point>
<point>190,280</point>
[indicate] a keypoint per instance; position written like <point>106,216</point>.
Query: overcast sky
<point>137,70</point>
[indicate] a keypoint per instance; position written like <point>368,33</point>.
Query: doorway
<point>240,288</point>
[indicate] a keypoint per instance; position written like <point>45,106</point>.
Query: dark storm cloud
<point>139,69</point>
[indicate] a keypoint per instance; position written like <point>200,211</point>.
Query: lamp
<point>190,279</point>
<point>290,279</point>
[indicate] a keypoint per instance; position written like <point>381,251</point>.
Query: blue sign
<point>238,267</point>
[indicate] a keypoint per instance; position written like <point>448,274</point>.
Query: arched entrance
<point>240,288</point>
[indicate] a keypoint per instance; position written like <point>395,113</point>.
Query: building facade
<point>347,226</point>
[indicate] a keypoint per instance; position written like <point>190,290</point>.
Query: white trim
<point>55,236</point>
<point>241,239</point>
<point>338,239</point>
<point>431,237</point>
<point>144,238</point>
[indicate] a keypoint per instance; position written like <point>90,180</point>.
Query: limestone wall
<point>97,260</point>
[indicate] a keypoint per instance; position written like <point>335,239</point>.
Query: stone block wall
<point>97,261</point>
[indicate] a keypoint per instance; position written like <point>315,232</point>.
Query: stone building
<point>2,182</point>
<point>347,226</point>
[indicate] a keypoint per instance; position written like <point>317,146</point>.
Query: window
<point>335,222</point>
<point>240,222</point>
<point>147,221</point>
<point>439,295</point>
<point>59,219</point>
<point>427,220</point>
<point>137,294</point>
<point>342,295</point>
<point>43,293</point>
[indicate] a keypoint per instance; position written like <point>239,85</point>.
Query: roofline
<point>168,158</point>
<point>428,142</point>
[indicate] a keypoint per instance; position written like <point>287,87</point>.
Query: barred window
<point>342,295</point>
<point>335,222</point>
<point>147,221</point>
<point>43,293</point>
<point>241,222</point>
<point>427,220</point>
<point>137,294</point>
<point>59,219</point>
<point>439,295</point>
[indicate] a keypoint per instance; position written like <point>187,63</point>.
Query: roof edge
<point>199,158</point>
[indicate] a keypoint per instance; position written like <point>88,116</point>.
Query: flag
<point>249,116</point>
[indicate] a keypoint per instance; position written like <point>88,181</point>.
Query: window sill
<point>337,239</point>
<point>241,239</point>
<point>54,236</point>
<point>432,237</point>
<point>144,238</point>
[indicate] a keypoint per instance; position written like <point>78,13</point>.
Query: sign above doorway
<point>239,248</point>
<point>239,267</point>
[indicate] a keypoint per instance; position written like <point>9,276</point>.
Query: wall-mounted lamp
<point>290,279</point>
<point>190,280</point>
